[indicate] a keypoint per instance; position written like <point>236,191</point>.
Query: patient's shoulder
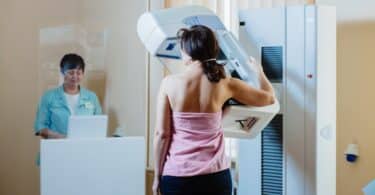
<point>174,77</point>
<point>171,83</point>
<point>166,82</point>
<point>173,80</point>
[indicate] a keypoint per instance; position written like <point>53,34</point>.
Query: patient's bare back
<point>195,93</point>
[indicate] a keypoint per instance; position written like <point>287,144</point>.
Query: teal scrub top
<point>53,110</point>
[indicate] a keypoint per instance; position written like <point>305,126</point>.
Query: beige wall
<point>355,93</point>
<point>124,86</point>
<point>18,78</point>
<point>355,104</point>
<point>125,93</point>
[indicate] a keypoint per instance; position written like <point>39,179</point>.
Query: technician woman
<point>56,105</point>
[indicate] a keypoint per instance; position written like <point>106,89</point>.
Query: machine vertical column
<point>310,100</point>
<point>294,125</point>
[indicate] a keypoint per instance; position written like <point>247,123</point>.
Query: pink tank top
<point>197,145</point>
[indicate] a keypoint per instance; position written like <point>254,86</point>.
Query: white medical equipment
<point>296,154</point>
<point>158,32</point>
<point>91,126</point>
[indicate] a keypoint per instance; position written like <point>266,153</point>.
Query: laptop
<point>90,126</point>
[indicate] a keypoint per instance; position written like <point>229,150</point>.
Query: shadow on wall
<point>97,82</point>
<point>355,103</point>
<point>113,121</point>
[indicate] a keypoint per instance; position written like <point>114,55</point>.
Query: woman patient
<point>189,141</point>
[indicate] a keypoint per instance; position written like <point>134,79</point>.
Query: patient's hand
<point>258,67</point>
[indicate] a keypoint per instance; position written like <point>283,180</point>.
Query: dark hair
<point>72,61</point>
<point>200,43</point>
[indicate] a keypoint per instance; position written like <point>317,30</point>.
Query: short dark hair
<point>72,61</point>
<point>200,43</point>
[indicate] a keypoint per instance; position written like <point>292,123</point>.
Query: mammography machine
<point>158,32</point>
<point>295,154</point>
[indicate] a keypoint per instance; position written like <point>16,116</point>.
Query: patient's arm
<point>249,95</point>
<point>162,129</point>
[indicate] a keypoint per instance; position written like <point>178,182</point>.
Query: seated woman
<point>56,105</point>
<point>189,141</point>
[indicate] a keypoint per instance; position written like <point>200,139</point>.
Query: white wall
<point>352,10</point>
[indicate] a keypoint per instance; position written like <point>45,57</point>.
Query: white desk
<point>105,166</point>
